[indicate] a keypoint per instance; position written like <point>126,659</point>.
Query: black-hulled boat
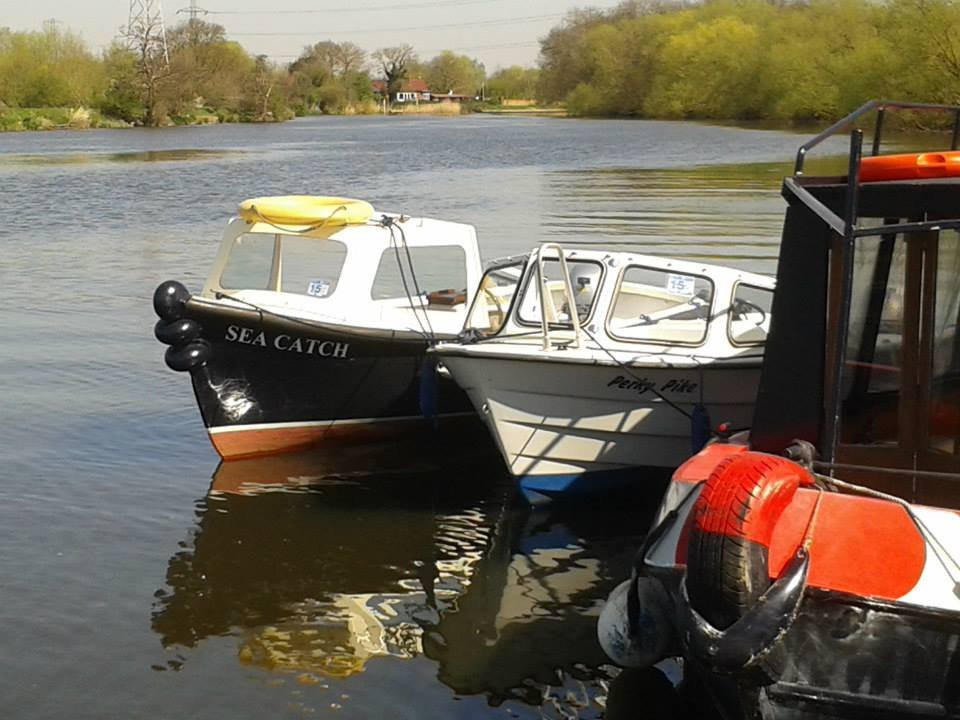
<point>313,324</point>
<point>809,568</point>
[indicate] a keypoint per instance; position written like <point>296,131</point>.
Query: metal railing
<point>881,106</point>
<point>547,297</point>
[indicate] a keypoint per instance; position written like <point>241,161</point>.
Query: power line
<point>498,46</point>
<point>367,31</point>
<point>360,9</point>
<point>193,11</point>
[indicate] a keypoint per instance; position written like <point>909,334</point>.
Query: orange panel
<point>910,166</point>
<point>862,546</point>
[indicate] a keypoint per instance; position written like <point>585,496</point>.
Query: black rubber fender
<point>188,357</point>
<point>178,332</point>
<point>755,633</point>
<point>169,299</point>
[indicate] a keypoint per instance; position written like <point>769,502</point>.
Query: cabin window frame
<point>616,294</point>
<point>393,251</point>
<point>278,261</point>
<point>524,265</point>
<point>273,272</point>
<point>531,272</point>
<point>733,295</point>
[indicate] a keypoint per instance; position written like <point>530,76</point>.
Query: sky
<point>499,33</point>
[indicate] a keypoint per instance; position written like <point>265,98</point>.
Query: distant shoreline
<point>65,118</point>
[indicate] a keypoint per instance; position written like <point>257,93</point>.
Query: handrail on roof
<point>547,296</point>
<point>880,106</point>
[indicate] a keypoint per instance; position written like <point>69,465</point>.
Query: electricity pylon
<point>193,11</point>
<point>145,29</point>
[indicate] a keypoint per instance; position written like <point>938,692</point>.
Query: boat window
<point>661,306</point>
<point>871,382</point>
<point>443,267</point>
<point>310,266</point>
<point>585,278</point>
<point>250,263</point>
<point>494,298</point>
<point>945,371</point>
<point>748,320</point>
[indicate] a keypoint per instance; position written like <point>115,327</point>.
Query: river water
<point>139,580</point>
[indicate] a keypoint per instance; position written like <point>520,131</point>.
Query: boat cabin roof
<point>375,274</point>
<point>627,303</point>
<point>863,354</point>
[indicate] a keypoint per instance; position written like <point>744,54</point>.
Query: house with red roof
<point>412,91</point>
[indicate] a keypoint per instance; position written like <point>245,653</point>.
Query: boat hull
<point>559,424</point>
<point>851,657</point>
<point>271,384</point>
<point>793,603</point>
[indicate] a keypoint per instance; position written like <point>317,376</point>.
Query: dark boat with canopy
<point>809,568</point>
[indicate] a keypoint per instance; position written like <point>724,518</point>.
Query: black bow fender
<point>755,633</point>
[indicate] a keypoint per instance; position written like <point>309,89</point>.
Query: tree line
<point>199,74</point>
<point>785,60</point>
<point>797,61</point>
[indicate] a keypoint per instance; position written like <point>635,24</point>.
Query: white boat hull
<point>560,420</point>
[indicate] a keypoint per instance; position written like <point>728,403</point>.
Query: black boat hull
<point>267,383</point>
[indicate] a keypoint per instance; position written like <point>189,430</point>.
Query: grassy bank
<point>57,118</point>
<point>62,118</point>
<point>65,118</point>
<point>551,111</point>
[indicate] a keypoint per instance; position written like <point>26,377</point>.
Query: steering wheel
<point>738,307</point>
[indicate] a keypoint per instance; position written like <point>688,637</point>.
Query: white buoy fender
<point>654,635</point>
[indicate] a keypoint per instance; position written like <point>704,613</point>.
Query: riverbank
<point>65,118</point>
<point>81,118</point>
<point>531,111</point>
<point>21,119</point>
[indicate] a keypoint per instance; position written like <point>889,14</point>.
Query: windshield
<point>654,305</point>
<point>250,263</point>
<point>498,287</point>
<point>749,315</point>
<point>304,265</point>
<point>584,281</point>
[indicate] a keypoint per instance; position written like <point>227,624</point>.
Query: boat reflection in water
<point>318,565</point>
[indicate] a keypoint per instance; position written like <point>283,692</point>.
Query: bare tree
<point>146,36</point>
<point>350,58</point>
<point>395,61</point>
<point>264,82</point>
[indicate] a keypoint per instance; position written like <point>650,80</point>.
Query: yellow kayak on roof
<point>305,210</point>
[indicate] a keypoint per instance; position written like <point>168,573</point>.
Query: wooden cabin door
<point>938,370</point>
<point>901,389</point>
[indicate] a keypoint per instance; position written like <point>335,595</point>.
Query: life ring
<point>910,166</point>
<point>305,210</point>
<point>733,521</point>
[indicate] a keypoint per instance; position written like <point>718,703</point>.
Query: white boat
<point>656,349</point>
<point>313,324</point>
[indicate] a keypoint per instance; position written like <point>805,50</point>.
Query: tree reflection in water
<point>317,565</point>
